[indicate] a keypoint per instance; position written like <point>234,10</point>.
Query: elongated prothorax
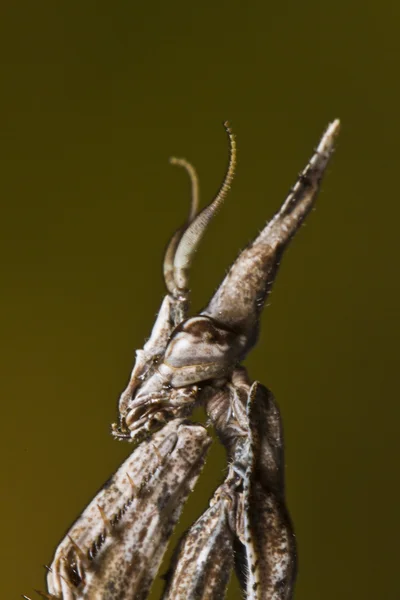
<point>240,298</point>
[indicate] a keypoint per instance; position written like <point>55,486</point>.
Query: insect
<point>114,549</point>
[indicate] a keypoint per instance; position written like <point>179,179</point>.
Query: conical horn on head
<point>240,298</point>
<point>185,241</point>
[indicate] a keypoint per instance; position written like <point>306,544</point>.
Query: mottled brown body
<point>203,563</point>
<point>116,546</point>
<point>270,546</point>
<point>114,549</point>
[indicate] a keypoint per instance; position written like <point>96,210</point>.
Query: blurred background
<point>95,97</point>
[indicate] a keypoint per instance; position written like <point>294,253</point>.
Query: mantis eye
<point>200,340</point>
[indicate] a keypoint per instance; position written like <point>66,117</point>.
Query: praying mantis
<point>115,548</point>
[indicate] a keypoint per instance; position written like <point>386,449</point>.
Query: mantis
<point>114,549</point>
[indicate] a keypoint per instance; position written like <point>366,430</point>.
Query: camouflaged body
<point>115,548</point>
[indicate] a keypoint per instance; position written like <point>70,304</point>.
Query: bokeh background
<point>95,96</point>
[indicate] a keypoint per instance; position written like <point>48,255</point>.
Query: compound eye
<point>199,341</point>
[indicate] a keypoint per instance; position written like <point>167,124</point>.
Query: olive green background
<point>94,98</point>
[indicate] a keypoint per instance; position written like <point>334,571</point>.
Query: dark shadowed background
<point>94,98</point>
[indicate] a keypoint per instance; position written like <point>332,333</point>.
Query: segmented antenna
<point>195,231</point>
<point>168,266</point>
